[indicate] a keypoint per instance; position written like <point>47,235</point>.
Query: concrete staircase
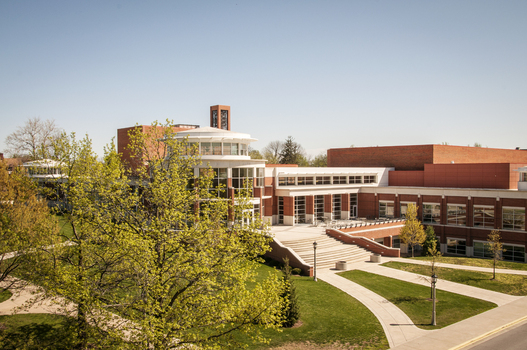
<point>329,251</point>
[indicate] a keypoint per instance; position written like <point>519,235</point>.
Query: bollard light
<point>315,261</point>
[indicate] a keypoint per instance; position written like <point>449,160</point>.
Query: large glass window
<point>513,253</point>
<point>319,207</point>
<point>514,218</point>
<point>300,209</point>
<point>353,205</point>
<point>396,242</point>
<point>456,246</point>
<point>484,216</point>
<point>337,205</point>
<point>242,177</point>
<point>404,208</point>
<point>431,213</point>
<point>386,209</point>
<point>243,149</point>
<point>456,215</point>
<point>510,253</point>
<point>216,148</point>
<point>280,210</point>
<point>260,177</point>
<point>206,148</point>
<point>219,180</point>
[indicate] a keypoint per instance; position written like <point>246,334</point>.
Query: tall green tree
<point>292,308</point>
<point>159,249</point>
<point>430,240</point>
<point>319,161</point>
<point>495,247</point>
<point>291,152</point>
<point>25,224</point>
<point>412,233</point>
<point>90,275</point>
<point>197,255</point>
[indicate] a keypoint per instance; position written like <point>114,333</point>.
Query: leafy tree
<point>429,240</point>
<point>32,138</point>
<point>159,249</point>
<point>25,223</point>
<point>292,308</point>
<point>495,247</point>
<point>477,144</point>
<point>255,154</point>
<point>291,152</point>
<point>90,275</point>
<point>271,152</point>
<point>412,233</point>
<point>320,161</point>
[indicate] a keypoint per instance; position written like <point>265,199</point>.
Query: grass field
<point>414,300</point>
<point>476,262</point>
<point>504,283</point>
<point>327,316</point>
<point>4,295</point>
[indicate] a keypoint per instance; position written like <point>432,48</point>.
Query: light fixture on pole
<point>315,261</point>
<point>434,280</point>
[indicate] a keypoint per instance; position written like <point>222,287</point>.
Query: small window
<point>323,180</point>
<point>355,179</point>
<point>339,180</point>
<point>370,179</point>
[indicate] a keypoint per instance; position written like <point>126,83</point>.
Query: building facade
<point>463,192</point>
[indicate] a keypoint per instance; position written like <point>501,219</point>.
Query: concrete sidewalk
<point>397,326</point>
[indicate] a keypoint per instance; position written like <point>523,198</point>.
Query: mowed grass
<point>4,294</point>
<point>327,316</point>
<point>476,262</point>
<point>35,331</point>
<point>504,283</point>
<point>414,300</point>
<point>64,226</point>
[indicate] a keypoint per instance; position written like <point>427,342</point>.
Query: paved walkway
<point>400,331</point>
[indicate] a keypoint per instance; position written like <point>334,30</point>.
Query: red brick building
<point>463,192</point>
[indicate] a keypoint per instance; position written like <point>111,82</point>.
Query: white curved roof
<point>215,134</point>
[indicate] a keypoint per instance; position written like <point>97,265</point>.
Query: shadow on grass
<point>405,299</point>
<point>37,335</point>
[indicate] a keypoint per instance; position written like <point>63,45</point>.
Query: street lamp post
<point>315,261</point>
<point>434,280</point>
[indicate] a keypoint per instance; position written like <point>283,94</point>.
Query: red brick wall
<point>462,154</point>
<point>415,157</point>
<point>406,178</point>
<point>400,157</point>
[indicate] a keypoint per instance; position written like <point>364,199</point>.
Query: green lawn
<point>414,300</point>
<point>4,295</point>
<point>65,226</point>
<point>504,283</point>
<point>35,331</point>
<point>475,262</point>
<point>328,315</point>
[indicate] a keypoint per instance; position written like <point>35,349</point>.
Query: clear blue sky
<point>329,73</point>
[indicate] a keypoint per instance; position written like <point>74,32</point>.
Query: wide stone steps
<point>329,251</point>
